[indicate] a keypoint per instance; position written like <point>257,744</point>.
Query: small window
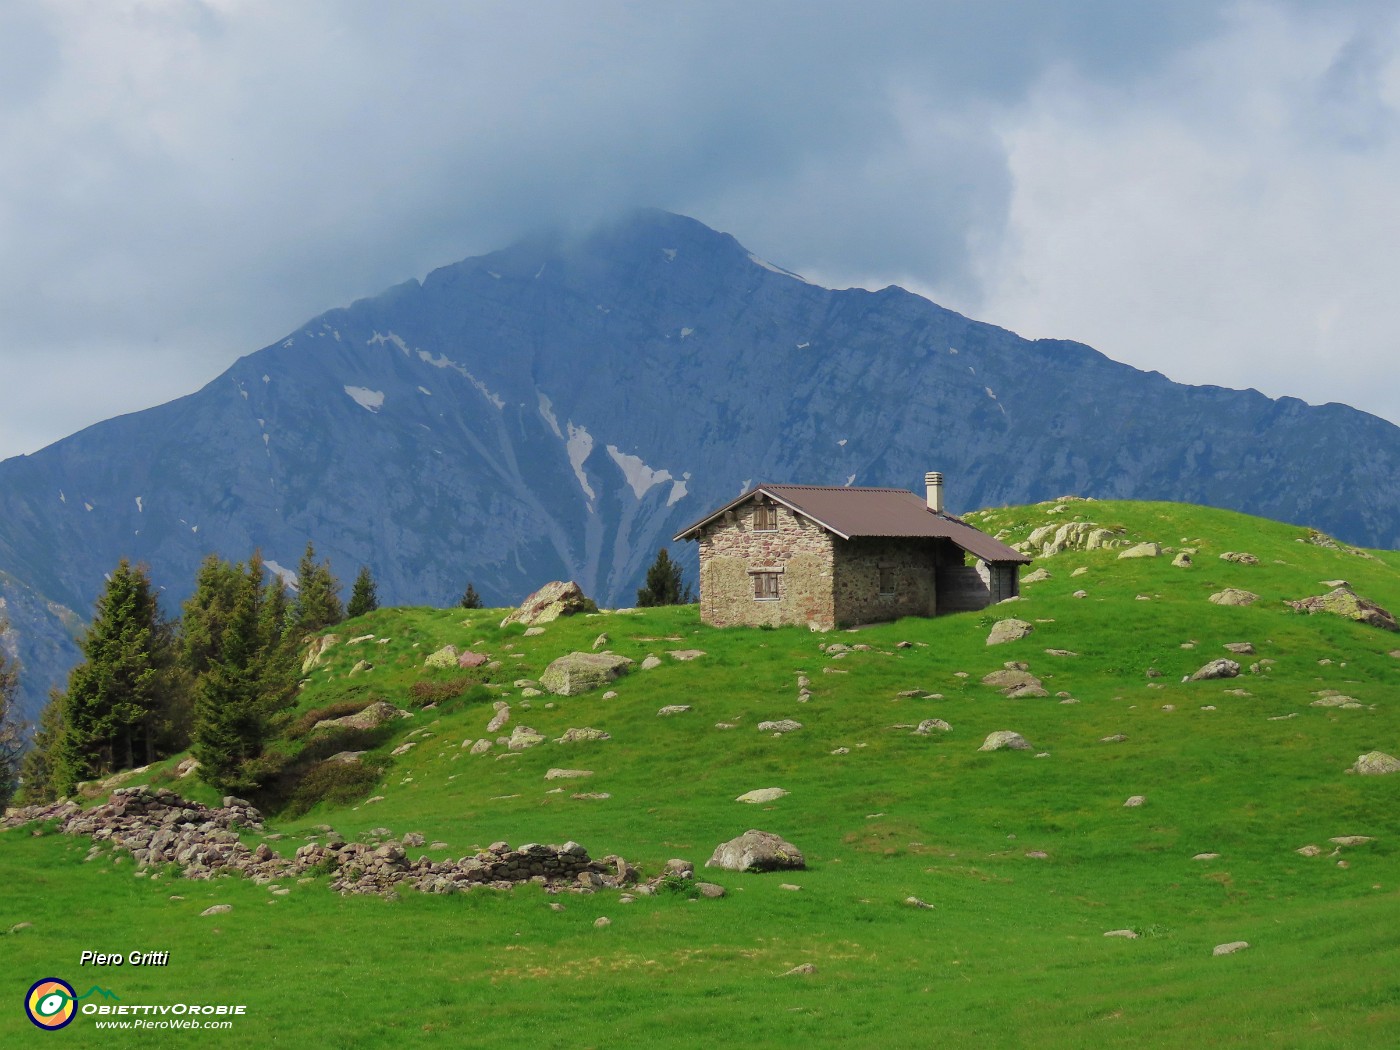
<point>765,586</point>
<point>886,581</point>
<point>765,518</point>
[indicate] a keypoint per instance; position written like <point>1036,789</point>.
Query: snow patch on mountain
<point>371,400</point>
<point>776,269</point>
<point>580,447</point>
<point>641,477</point>
<point>547,412</point>
<point>288,576</point>
<point>389,337</point>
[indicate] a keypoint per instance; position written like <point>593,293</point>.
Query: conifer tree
<point>115,698</point>
<point>318,595</point>
<point>364,595</point>
<point>664,585</point>
<point>37,772</point>
<point>11,734</point>
<point>240,627</point>
<point>470,599</point>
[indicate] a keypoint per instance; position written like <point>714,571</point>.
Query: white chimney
<point>934,482</point>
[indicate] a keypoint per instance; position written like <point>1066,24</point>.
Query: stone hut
<point>829,556</point>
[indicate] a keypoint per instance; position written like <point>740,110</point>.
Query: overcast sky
<point>1208,189</point>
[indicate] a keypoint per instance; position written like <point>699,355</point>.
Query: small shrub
<point>430,692</point>
<point>340,783</point>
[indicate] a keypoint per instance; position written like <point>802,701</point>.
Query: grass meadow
<point>1026,858</point>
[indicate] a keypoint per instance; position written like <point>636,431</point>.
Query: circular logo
<point>50,1004</point>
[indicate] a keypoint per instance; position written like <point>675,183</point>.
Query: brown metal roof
<point>850,512</point>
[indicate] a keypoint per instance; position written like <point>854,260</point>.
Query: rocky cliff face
<point>559,409</point>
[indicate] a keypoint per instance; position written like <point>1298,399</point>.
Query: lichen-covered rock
<point>782,725</point>
<point>1015,682</point>
<point>685,654</point>
<point>1039,576</point>
<point>928,725</point>
<point>1230,949</point>
<point>522,738</point>
<point>550,602</point>
<point>316,652</point>
<point>1005,739</point>
<point>582,734</point>
<point>1376,763</point>
<point>577,673</point>
<point>1009,630</point>
<point>672,709</point>
<point>1239,558</point>
<point>1344,602</point>
<point>1221,668</point>
<point>444,658</point>
<point>1234,596</point>
<point>760,795</point>
<point>1072,535</point>
<point>567,774</point>
<point>1181,561</point>
<point>756,850</point>
<point>1142,550</point>
<point>372,717</point>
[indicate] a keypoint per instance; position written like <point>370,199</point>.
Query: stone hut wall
<point>732,550</point>
<point>858,565</point>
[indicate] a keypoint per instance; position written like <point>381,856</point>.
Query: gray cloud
<point>181,184</point>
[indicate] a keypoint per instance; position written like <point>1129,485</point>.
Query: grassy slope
<point>1011,954</point>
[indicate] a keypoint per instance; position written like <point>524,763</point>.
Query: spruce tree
<point>470,599</point>
<point>364,595</point>
<point>318,595</point>
<point>37,771</point>
<point>115,698</point>
<point>11,732</point>
<point>664,585</point>
<point>238,626</point>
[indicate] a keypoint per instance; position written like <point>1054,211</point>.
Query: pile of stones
<point>158,827</point>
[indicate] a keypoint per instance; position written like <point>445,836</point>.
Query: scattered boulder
<point>567,774</point>
<point>1009,630</point>
<point>1240,648</point>
<point>1239,558</point>
<point>1375,763</point>
<point>805,970</point>
<point>442,659</point>
<point>1348,703</point>
<point>316,652</point>
<point>782,725</point>
<point>1004,739</point>
<point>533,632</point>
<point>1221,668</point>
<point>1142,550</point>
<point>760,795</point>
<point>928,725</point>
<point>1039,576</point>
<point>756,850</point>
<point>915,902</point>
<point>346,758</point>
<point>1073,535</point>
<point>672,709</point>
<point>1234,596</point>
<point>685,654</point>
<point>582,735</point>
<point>372,717</point>
<point>471,659</point>
<point>1344,602</point>
<point>1231,948</point>
<point>522,738</point>
<point>600,641</point>
<point>500,718</point>
<point>217,909</point>
<point>550,602</point>
<point>577,673</point>
<point>1134,801</point>
<point>1181,561</point>
<point>651,662</point>
<point>1130,935</point>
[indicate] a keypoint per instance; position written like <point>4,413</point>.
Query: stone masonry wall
<point>857,573</point>
<point>800,549</point>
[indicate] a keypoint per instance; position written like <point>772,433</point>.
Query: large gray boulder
<point>577,673</point>
<point>1217,669</point>
<point>550,602</point>
<point>756,851</point>
<point>1009,631</point>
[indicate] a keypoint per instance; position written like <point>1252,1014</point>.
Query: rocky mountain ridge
<point>559,409</point>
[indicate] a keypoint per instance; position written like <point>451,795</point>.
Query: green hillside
<point>1027,858</point>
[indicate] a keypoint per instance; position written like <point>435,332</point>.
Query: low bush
<point>340,783</point>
